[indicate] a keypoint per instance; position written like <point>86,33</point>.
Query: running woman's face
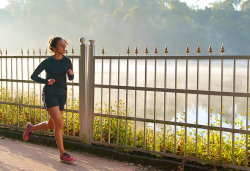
<point>60,47</point>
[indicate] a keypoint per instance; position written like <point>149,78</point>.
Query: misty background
<point>117,24</point>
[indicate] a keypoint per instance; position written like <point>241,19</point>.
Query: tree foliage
<point>115,24</point>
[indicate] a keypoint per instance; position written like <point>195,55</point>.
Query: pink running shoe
<point>65,158</point>
<point>27,132</point>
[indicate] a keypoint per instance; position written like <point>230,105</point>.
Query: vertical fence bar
<point>101,96</point>
<point>22,90</point>
<point>7,97</point>
<point>127,78</point>
<point>209,89</point>
<point>197,105</point>
<point>34,91</point>
<point>90,88</point>
<point>155,79</point>
<point>40,88</point>
<point>110,70</point>
<point>186,86</point>
<point>118,99</point>
<point>28,84</point>
<point>247,113</point>
<point>234,72</point>
<point>175,106</point>
<point>145,101</point>
<point>135,97</point>
<point>17,92</point>
<point>82,89</point>
<point>165,96</point>
<point>73,101</point>
<point>222,72</point>
<point>12,95</point>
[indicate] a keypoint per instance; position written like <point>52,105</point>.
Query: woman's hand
<point>51,81</point>
<point>70,72</point>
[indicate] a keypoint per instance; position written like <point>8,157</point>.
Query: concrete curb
<point>103,151</point>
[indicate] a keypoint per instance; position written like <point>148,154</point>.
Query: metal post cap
<point>82,40</point>
<point>91,42</point>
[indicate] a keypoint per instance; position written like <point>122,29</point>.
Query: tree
<point>135,22</point>
<point>236,3</point>
<point>15,7</point>
<point>243,26</point>
<point>246,6</point>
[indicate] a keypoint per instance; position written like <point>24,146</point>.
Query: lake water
<point>215,101</point>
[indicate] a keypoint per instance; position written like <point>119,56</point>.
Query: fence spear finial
<point>166,50</point>
<point>103,52</point>
<point>46,52</point>
<point>187,50</point>
<point>28,51</point>
<point>156,51</point>
<point>6,52</point>
<point>222,49</point>
<point>128,52</point>
<point>146,50</point>
<point>0,52</point>
<point>73,51</point>
<point>39,51</point>
<point>198,50</point>
<point>22,51</point>
<point>210,50</point>
<point>33,52</point>
<point>136,51</point>
<point>66,51</point>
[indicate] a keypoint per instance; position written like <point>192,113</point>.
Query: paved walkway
<point>18,155</point>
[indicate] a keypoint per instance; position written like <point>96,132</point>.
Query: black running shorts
<point>52,100</point>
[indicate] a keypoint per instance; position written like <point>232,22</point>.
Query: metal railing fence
<point>142,103</point>
<point>151,128</point>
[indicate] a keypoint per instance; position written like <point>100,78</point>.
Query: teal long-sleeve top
<point>55,69</point>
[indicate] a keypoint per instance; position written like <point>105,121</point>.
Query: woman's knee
<point>59,125</point>
<point>56,117</point>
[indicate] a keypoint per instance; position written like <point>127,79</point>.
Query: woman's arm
<point>37,71</point>
<point>70,71</point>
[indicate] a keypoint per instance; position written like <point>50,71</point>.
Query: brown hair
<point>53,42</point>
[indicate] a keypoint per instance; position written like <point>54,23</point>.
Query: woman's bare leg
<point>44,125</point>
<point>56,116</point>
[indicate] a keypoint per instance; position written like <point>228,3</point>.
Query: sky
<point>3,3</point>
<point>202,3</point>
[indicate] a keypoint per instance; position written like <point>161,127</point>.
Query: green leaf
<point>220,162</point>
<point>204,163</point>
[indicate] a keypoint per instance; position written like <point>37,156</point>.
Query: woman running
<point>54,92</point>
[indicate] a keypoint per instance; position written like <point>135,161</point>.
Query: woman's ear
<point>54,49</point>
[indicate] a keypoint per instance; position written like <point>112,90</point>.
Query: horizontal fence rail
<point>172,57</point>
